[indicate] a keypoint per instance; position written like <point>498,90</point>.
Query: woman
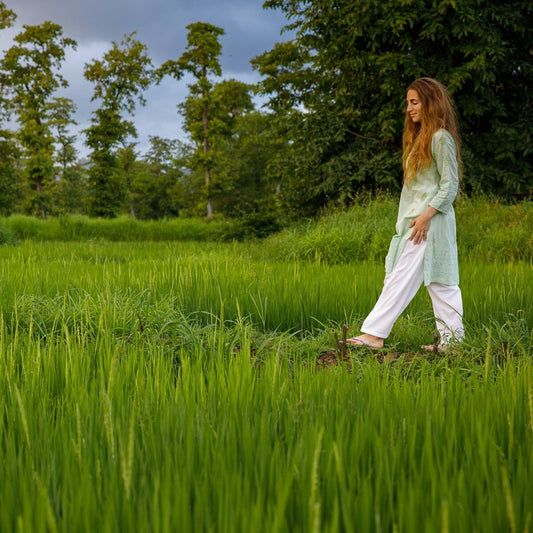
<point>424,249</point>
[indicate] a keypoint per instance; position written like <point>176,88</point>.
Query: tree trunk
<point>42,211</point>
<point>39,180</point>
<point>209,202</point>
<point>206,151</point>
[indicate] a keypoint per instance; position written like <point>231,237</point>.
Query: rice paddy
<point>174,387</point>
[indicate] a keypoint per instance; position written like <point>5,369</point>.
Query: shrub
<point>7,236</point>
<point>492,231</point>
<point>361,233</point>
<point>80,228</point>
<point>487,230</point>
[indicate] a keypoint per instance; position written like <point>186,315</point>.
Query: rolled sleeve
<point>444,155</point>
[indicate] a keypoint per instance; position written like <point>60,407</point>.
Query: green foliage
<point>123,228</point>
<point>231,100</point>
<point>72,191</point>
<point>246,186</point>
<point>200,57</point>
<point>29,73</point>
<point>174,386</point>
<point>107,191</point>
<point>61,111</point>
<point>491,231</point>
<point>487,231</point>
<point>338,89</point>
<point>362,233</point>
<point>7,236</point>
<point>128,169</point>
<point>210,110</point>
<point>122,76</point>
<point>7,16</point>
<point>11,180</point>
<point>120,79</point>
<point>154,188</point>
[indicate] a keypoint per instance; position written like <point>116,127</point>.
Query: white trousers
<point>401,286</point>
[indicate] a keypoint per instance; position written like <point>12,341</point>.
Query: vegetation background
<point>331,130</point>
<point>195,386</point>
<point>170,321</point>
<point>488,231</point>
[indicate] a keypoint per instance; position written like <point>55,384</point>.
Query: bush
<point>487,230</point>
<point>492,231</point>
<point>361,233</point>
<point>80,228</point>
<point>7,237</point>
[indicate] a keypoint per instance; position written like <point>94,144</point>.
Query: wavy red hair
<point>437,111</point>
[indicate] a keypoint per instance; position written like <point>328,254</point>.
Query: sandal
<point>356,341</point>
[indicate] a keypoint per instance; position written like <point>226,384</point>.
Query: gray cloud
<point>161,25</point>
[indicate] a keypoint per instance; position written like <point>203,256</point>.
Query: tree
<point>230,102</point>
<point>29,72</point>
<point>246,160</point>
<point>60,112</point>
<point>10,179</point>
<point>201,60</point>
<point>128,167</point>
<point>70,191</point>
<point>156,188</point>
<point>120,79</point>
<point>338,90</point>
<point>7,16</point>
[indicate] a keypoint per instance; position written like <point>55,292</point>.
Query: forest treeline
<point>331,129</point>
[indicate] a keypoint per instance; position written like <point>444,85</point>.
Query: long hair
<point>437,111</point>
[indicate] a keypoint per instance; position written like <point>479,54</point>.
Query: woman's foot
<point>370,341</point>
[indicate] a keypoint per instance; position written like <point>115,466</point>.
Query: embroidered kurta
<point>435,186</point>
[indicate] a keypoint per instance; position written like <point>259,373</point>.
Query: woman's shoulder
<point>442,134</point>
<point>442,137</point>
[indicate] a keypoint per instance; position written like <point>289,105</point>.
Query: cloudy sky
<point>161,25</point>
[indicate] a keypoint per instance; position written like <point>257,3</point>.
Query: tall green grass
<point>486,231</point>
<point>155,280</point>
<point>173,387</point>
<point>100,433</point>
<point>82,228</point>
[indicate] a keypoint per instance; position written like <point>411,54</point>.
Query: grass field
<point>174,387</point>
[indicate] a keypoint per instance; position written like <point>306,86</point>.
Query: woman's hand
<point>421,225</point>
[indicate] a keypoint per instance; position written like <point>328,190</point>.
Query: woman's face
<point>414,106</point>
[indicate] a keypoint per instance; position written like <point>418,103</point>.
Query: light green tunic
<point>436,186</point>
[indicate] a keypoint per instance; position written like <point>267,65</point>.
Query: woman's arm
<point>445,157</point>
<point>443,149</point>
